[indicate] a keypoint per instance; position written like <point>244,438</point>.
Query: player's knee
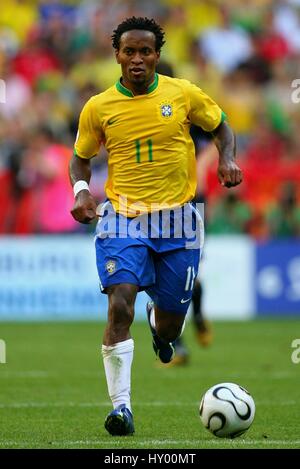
<point>121,311</point>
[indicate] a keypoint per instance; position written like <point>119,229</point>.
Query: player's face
<point>137,57</point>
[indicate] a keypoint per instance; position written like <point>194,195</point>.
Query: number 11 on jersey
<point>138,150</point>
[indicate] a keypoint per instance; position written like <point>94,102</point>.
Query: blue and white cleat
<point>119,422</point>
<point>164,350</point>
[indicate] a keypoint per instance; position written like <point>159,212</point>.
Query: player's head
<point>137,43</point>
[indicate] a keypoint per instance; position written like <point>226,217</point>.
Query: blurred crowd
<point>54,55</point>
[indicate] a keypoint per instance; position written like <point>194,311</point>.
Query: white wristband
<point>80,186</point>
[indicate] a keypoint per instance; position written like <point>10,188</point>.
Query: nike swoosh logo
<point>184,301</point>
<point>111,121</point>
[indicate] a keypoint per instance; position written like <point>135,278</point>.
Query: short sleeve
<point>89,135</point>
<point>204,112</point>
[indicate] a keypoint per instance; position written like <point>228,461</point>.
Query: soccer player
<point>143,121</point>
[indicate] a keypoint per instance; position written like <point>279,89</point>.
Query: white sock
<point>117,361</point>
<point>182,328</point>
<point>152,318</point>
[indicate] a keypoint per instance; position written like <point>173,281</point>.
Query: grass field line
<point>144,443</point>
<point>233,375</point>
<point>25,374</point>
<point>20,405</point>
<point>225,442</point>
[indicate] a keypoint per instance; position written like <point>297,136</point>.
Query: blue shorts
<point>164,266</point>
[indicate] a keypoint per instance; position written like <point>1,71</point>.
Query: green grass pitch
<point>53,392</point>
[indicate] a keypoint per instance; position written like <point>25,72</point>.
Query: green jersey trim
<point>122,89</point>
<point>154,85</point>
<point>223,117</point>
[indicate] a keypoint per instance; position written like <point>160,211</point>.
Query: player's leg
<point>117,351</point>
<point>165,330</point>
<point>181,352</point>
<point>124,266</point>
<point>202,325</point>
<point>171,296</point>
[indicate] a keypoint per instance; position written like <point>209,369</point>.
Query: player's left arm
<point>229,173</point>
<point>204,112</point>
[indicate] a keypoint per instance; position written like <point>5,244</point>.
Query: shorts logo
<point>166,110</point>
<point>184,301</point>
<point>110,267</point>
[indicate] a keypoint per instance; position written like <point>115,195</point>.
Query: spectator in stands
<point>54,55</point>
<point>284,217</point>
<point>229,215</point>
<point>46,166</point>
<point>226,46</point>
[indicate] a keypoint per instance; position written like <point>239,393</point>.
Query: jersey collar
<point>122,89</point>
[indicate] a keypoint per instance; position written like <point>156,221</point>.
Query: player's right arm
<point>87,146</point>
<point>84,208</point>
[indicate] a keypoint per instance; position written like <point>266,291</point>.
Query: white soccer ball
<point>227,410</point>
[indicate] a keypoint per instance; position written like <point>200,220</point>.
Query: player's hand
<point>229,174</point>
<point>84,209</point>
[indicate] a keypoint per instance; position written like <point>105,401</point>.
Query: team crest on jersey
<point>110,266</point>
<point>166,110</point>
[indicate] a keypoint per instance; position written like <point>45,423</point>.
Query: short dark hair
<point>145,24</point>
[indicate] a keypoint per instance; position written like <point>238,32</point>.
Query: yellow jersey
<point>151,155</point>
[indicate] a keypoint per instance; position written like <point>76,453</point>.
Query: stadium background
<point>53,56</point>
